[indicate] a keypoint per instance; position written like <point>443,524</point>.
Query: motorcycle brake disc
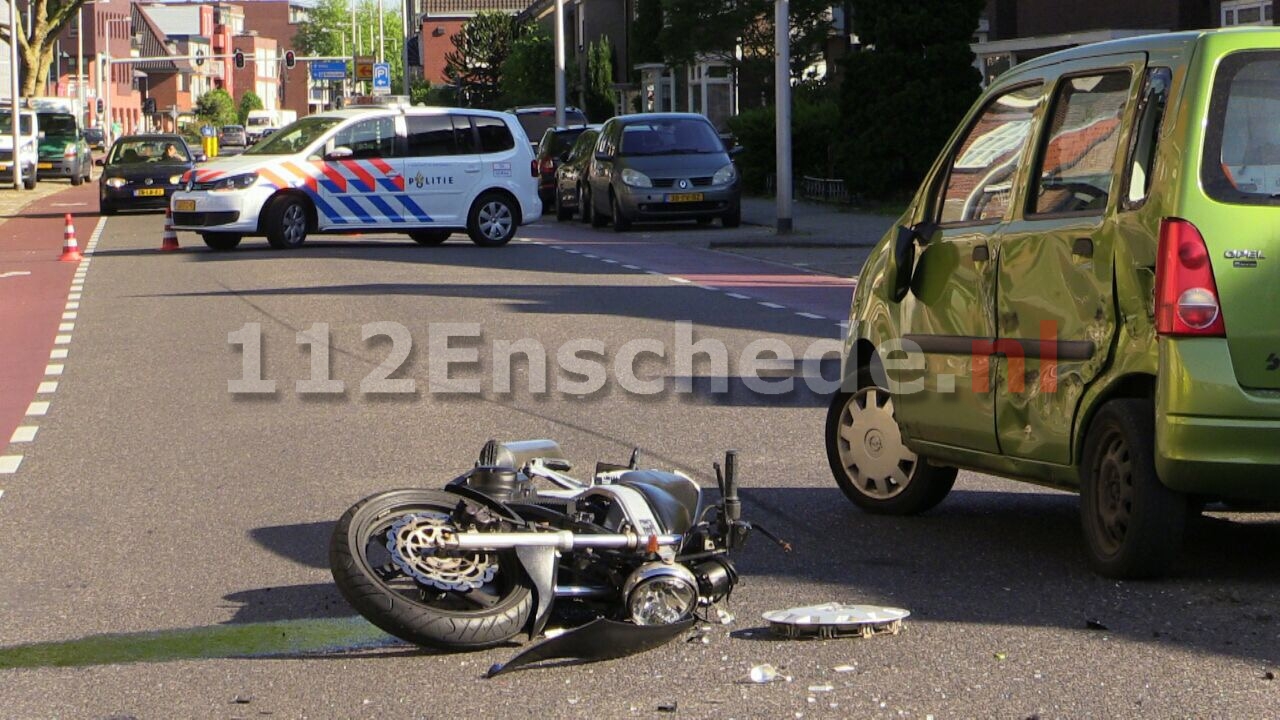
<point>413,542</point>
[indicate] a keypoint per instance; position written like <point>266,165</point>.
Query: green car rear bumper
<point>1212,436</point>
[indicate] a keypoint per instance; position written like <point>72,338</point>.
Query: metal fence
<point>819,189</point>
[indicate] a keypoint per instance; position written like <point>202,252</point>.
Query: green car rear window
<point>1241,162</point>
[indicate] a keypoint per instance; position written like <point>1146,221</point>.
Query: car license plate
<point>150,192</point>
<point>45,166</point>
<point>684,197</point>
<point>185,205</point>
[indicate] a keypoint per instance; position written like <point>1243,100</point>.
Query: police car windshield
<point>296,137</point>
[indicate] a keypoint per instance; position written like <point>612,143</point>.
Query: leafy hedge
<point>815,123</point>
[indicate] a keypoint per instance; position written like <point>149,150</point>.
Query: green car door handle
<point>981,253</point>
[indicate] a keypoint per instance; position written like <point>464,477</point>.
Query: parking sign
<point>382,78</point>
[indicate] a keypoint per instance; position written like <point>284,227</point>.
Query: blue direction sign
<point>381,78</point>
<point>328,69</point>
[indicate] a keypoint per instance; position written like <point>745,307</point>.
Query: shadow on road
<point>993,558</point>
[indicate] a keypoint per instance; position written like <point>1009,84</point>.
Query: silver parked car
<point>661,166</point>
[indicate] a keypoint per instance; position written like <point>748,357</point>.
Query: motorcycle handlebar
<point>732,505</point>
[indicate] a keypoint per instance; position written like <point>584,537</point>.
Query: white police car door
<point>362,183</point>
<point>441,166</point>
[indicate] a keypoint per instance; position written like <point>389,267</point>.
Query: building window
<point>1246,12</point>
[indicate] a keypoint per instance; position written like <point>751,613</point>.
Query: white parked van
<point>427,172</point>
<point>28,146</point>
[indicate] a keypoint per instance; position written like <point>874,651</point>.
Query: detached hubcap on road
<point>870,445</point>
<point>495,220</point>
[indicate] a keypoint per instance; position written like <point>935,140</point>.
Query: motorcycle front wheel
<point>384,564</point>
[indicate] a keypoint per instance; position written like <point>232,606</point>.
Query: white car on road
<point>427,172</point>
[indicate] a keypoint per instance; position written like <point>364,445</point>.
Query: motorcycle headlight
<point>234,182</point>
<point>175,179</point>
<point>115,182</point>
<point>660,594</point>
<point>725,175</point>
<point>635,178</point>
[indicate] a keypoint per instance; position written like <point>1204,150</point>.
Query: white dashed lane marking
<point>25,434</point>
<point>682,281</point>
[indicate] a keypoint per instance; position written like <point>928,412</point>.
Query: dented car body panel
<point>1031,299</point>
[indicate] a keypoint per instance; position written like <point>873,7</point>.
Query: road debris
<point>1095,625</point>
<point>766,673</point>
<point>668,707</point>
<point>836,620</point>
<point>1000,656</point>
<point>845,668</point>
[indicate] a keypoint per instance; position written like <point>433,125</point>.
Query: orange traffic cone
<point>70,249</point>
<point>170,241</point>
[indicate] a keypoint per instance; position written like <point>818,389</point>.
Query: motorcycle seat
<point>675,500</point>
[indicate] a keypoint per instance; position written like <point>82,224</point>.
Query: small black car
<point>142,171</point>
<point>571,175</point>
<point>552,150</point>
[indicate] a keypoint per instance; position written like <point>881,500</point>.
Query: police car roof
<point>357,111</point>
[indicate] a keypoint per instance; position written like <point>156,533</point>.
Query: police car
<point>427,172</point>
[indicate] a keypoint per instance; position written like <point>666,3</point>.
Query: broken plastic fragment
<point>724,616</point>
<point>844,668</point>
<point>1000,656</point>
<point>764,673</point>
<point>820,688</point>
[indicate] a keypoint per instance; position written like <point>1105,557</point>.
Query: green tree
<point>216,108</point>
<point>474,66</point>
<point>327,32</point>
<point>46,20</point>
<point>645,31</point>
<point>248,101</point>
<point>901,97</point>
<point>527,75</point>
<point>598,93</point>
<point>689,28</point>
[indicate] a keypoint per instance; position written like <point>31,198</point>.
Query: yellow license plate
<point>45,166</point>
<point>184,205</point>
<point>150,192</point>
<point>685,197</point>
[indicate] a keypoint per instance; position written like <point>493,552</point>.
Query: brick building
<point>1013,31</point>
<point>279,19</point>
<point>442,19</point>
<point>261,71</point>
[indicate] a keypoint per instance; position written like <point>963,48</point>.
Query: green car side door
<point>1055,308</point>
<point>940,376</point>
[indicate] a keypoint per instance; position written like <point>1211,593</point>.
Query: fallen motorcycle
<point>499,548</point>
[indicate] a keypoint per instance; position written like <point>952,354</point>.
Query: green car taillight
<point>1186,293</point>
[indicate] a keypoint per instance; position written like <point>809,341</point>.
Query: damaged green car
<point>1084,293</point>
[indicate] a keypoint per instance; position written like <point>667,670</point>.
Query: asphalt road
<point>162,548</point>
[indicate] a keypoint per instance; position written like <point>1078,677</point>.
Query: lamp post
<point>13,93</point>
<point>106,96</point>
<point>782,100</point>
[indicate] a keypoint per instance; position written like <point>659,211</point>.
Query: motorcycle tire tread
<point>407,620</point>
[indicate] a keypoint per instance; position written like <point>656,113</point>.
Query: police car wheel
<point>286,223</point>
<point>492,221</point>
<point>221,241</point>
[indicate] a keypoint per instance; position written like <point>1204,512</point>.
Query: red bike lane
<point>33,293</point>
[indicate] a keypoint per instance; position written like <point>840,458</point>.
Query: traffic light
<point>102,107</point>
<point>239,59</point>
<point>149,106</point>
<point>290,59</point>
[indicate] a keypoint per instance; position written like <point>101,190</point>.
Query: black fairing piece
<point>674,499</point>
<point>600,639</point>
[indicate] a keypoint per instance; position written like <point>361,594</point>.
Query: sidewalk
<point>824,238</point>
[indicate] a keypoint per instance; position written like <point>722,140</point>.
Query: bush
<point>815,122</point>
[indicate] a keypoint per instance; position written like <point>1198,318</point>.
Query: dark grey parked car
<point>661,166</point>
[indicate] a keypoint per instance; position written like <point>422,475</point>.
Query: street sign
<point>382,78</point>
<point>364,67</point>
<point>328,69</point>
